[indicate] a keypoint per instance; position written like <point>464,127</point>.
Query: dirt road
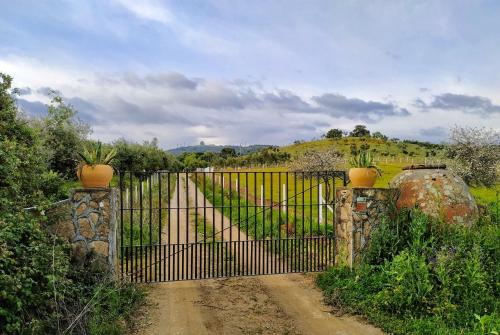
<point>277,304</point>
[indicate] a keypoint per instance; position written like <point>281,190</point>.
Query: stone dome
<point>437,192</point>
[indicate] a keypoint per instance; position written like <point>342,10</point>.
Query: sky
<point>257,72</point>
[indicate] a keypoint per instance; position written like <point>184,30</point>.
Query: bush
<point>420,276</point>
<point>42,294</point>
<point>476,154</point>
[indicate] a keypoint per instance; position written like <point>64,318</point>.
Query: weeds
<point>419,276</point>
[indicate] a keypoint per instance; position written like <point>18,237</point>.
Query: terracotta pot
<point>363,177</point>
<point>95,176</point>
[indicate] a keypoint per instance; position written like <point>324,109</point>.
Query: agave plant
<point>364,159</point>
<point>95,155</point>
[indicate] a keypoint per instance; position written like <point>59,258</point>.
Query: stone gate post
<point>88,221</point>
<point>357,212</point>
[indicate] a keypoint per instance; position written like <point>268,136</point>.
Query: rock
<point>100,248</point>
<point>86,228</point>
<point>64,229</point>
<point>103,230</point>
<point>79,252</point>
<point>94,217</point>
<point>81,209</point>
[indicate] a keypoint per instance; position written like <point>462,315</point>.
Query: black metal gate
<point>197,225</point>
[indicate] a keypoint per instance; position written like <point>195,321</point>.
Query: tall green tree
<point>25,176</point>
<point>379,135</point>
<point>360,131</point>
<point>334,133</point>
<point>147,156</point>
<point>64,134</point>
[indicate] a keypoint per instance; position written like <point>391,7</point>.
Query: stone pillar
<point>88,221</point>
<point>357,212</point>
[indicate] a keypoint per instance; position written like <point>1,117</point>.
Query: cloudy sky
<point>247,72</point>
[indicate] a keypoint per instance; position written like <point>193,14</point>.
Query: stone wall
<point>357,212</point>
<point>88,221</point>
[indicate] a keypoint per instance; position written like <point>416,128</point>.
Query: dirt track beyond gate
<point>274,304</point>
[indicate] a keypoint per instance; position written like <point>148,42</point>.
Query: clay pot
<point>95,176</point>
<point>437,192</point>
<point>363,177</point>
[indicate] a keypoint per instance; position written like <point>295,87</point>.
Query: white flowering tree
<point>313,163</point>
<point>475,154</point>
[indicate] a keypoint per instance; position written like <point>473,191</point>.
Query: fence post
<point>285,199</point>
<point>261,195</point>
<point>320,204</point>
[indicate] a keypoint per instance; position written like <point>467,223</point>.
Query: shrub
<point>30,267</point>
<point>476,154</point>
<point>42,294</point>
<point>420,276</point>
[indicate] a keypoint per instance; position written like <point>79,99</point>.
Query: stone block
<point>94,218</point>
<point>100,248</point>
<point>64,229</point>
<point>79,252</point>
<point>86,229</point>
<point>81,209</point>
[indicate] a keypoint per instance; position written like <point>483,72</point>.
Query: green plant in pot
<point>363,173</point>
<point>94,170</point>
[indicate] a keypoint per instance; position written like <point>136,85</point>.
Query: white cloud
<point>148,9</point>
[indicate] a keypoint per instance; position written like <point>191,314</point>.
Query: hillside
<point>402,151</point>
<point>217,148</point>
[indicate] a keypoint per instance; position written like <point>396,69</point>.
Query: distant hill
<point>217,148</point>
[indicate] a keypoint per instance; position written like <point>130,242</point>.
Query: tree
<point>379,135</point>
<point>311,162</point>
<point>360,131</point>
<point>25,177</point>
<point>315,161</point>
<point>476,154</point>
<point>147,156</point>
<point>63,134</point>
<point>334,133</point>
<point>228,152</point>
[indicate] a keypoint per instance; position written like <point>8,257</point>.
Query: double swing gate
<point>197,225</point>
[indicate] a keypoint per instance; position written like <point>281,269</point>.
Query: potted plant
<point>363,173</point>
<point>94,170</point>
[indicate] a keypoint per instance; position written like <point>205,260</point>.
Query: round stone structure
<point>437,192</point>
